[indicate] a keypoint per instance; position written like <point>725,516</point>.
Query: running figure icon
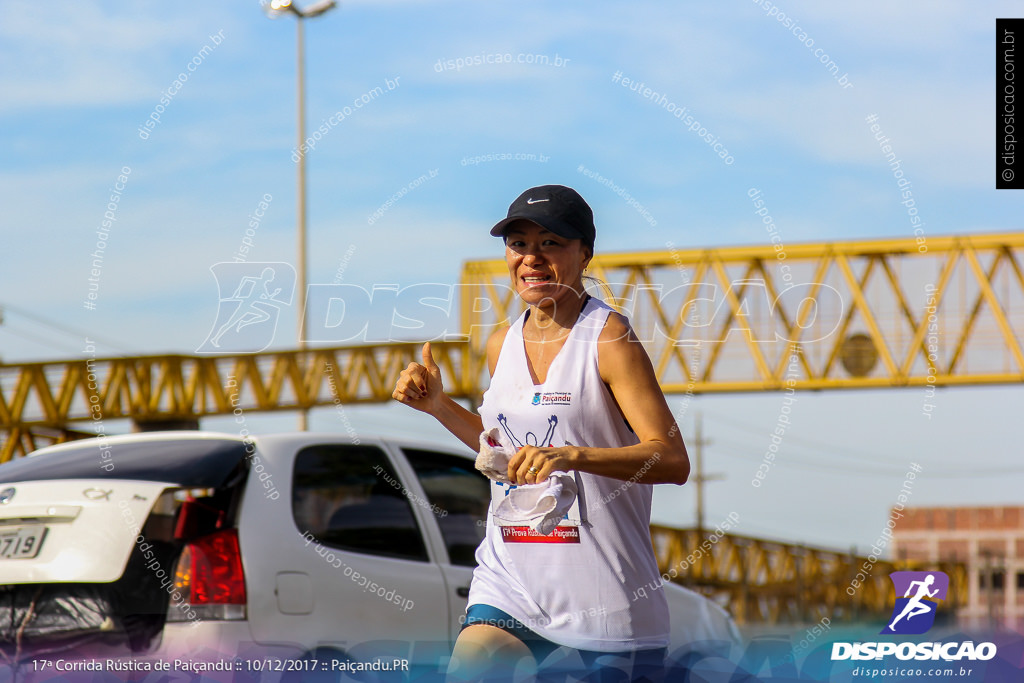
<point>249,311</point>
<point>916,605</point>
<point>251,297</point>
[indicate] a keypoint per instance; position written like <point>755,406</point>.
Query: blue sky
<point>79,79</point>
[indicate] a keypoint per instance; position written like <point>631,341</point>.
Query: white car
<point>267,554</point>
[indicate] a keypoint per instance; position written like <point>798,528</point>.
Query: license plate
<point>22,542</point>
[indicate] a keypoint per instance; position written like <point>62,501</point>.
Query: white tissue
<point>541,506</point>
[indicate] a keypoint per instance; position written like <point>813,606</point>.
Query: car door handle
<point>462,591</point>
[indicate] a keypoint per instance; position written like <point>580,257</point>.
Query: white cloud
<point>91,53</point>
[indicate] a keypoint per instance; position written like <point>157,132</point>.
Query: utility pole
<point>699,478</point>
<point>275,9</point>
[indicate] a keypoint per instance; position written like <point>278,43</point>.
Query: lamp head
<point>317,8</point>
<point>276,8</point>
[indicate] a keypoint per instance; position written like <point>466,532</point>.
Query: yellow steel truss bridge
<point>845,315</point>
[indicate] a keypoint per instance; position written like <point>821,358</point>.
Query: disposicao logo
<point>914,613</point>
<point>917,597</point>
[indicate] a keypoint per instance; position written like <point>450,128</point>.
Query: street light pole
<point>274,9</point>
<point>300,199</point>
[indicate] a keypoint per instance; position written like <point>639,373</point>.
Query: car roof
<point>298,439</point>
<point>189,458</point>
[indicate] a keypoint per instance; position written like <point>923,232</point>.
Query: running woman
<point>574,391</point>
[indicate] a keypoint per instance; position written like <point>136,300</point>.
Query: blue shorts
<point>638,665</point>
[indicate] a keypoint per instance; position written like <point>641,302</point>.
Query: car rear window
<point>192,463</point>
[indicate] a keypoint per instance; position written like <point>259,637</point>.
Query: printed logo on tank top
<point>530,439</point>
<point>552,398</point>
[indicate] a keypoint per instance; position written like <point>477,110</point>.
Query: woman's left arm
<point>659,458</point>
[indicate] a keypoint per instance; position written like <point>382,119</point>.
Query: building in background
<point>988,540</point>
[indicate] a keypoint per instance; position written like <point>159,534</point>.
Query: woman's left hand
<point>532,465</point>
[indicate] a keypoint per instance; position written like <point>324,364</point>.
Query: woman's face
<point>544,265</point>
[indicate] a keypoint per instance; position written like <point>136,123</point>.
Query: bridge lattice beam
<point>765,581</point>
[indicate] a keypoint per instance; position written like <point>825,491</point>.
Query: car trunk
<point>87,554</point>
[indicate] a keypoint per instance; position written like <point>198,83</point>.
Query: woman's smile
<point>533,278</point>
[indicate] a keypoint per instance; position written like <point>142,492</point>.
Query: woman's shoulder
<point>597,315</point>
<point>616,326</point>
<point>494,344</point>
<point>497,338</point>
<point>618,347</point>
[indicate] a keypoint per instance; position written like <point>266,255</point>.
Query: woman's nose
<point>531,256</point>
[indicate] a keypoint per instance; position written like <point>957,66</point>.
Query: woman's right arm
<point>419,387</point>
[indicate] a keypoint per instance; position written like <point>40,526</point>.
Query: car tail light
<point>209,579</point>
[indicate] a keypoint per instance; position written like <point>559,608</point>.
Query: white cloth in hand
<point>492,460</point>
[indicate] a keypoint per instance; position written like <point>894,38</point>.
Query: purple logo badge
<point>917,596</point>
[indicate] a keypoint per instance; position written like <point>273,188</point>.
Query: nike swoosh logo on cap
<point>536,201</point>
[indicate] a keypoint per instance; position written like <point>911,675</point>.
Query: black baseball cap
<point>558,208</point>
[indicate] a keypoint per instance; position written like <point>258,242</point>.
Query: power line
<point>973,473</point>
<point>805,464</point>
<point>825,448</point>
<point>79,334</point>
<point>35,338</point>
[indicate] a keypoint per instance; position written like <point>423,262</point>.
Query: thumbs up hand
<point>419,385</point>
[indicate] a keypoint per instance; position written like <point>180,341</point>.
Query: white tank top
<point>575,586</point>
